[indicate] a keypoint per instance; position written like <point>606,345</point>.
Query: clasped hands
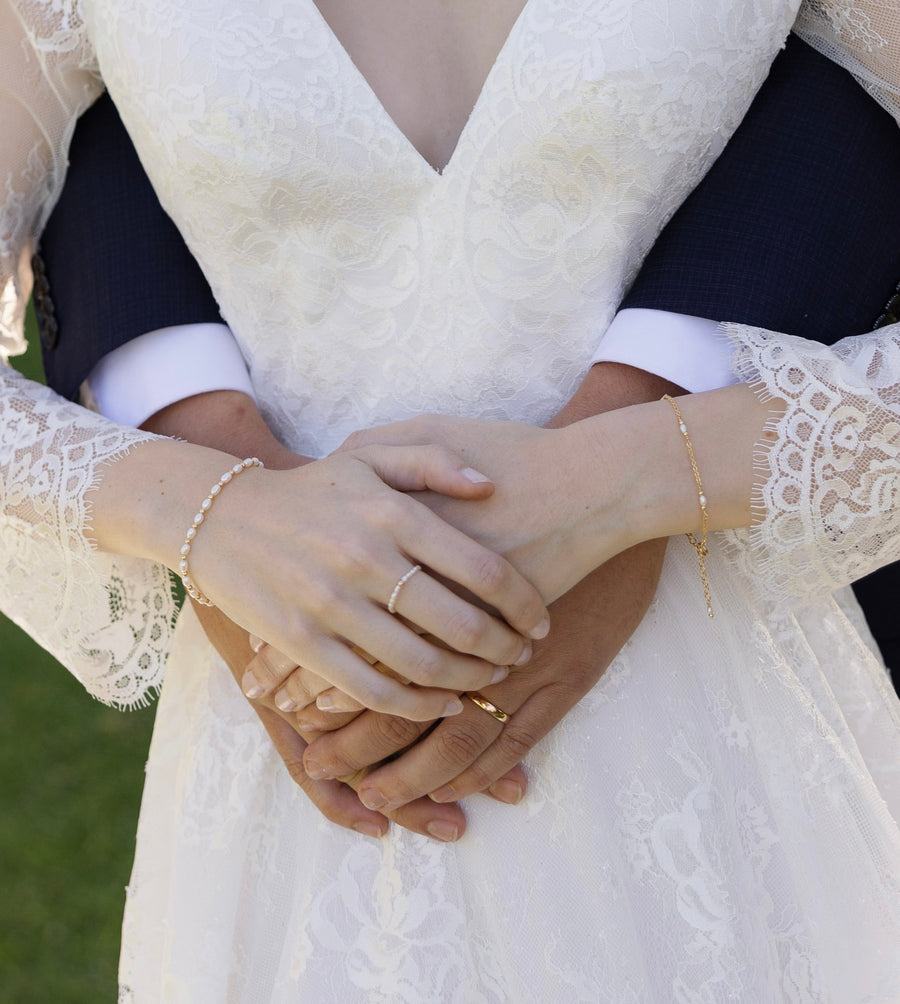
<point>363,768</point>
<point>396,762</point>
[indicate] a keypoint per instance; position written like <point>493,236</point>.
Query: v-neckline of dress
<point>411,149</point>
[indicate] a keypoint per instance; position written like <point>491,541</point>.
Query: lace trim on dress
<point>831,495</point>
<point>861,35</point>
<point>109,620</point>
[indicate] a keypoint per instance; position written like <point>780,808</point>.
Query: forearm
<point>224,420</point>
<point>608,386</point>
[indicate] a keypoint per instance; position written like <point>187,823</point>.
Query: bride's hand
<point>550,485</point>
<point>473,752</point>
<point>309,559</point>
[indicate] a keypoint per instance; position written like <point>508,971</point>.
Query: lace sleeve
<point>109,620</point>
<point>832,497</point>
<point>863,36</point>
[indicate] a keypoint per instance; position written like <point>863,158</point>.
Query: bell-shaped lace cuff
<point>831,487</point>
<point>107,619</point>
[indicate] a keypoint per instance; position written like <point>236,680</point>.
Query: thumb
<point>421,468</point>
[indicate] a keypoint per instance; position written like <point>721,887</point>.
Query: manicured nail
<point>525,656</point>
<point>453,707</point>
<point>369,830</point>
<point>500,673</point>
<point>476,477</point>
<point>543,629</point>
<point>324,702</point>
<point>283,702</point>
<point>250,685</point>
<point>372,799</point>
<point>442,830</point>
<point>507,791</point>
<point>445,794</point>
<point>256,643</point>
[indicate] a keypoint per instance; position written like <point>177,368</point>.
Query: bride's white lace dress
<point>718,819</point>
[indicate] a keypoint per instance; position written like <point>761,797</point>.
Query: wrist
<point>228,421</point>
<point>145,501</point>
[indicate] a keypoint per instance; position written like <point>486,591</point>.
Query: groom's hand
<point>336,800</point>
<point>473,752</point>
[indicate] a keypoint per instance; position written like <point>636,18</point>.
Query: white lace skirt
<point>716,821</point>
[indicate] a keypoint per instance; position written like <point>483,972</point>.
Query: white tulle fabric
<point>718,819</point>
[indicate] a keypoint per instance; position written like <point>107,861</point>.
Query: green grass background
<point>71,772</point>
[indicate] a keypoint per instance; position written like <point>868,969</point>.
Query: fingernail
<point>476,477</point>
<point>369,830</point>
<point>445,794</point>
<point>507,791</point>
<point>284,703</point>
<point>315,770</point>
<point>372,799</point>
<point>543,629</point>
<point>250,685</point>
<point>256,643</point>
<point>453,707</point>
<point>525,656</point>
<point>442,830</point>
<point>324,703</point>
<point>500,673</point>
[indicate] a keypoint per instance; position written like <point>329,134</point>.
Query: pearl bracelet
<point>184,565</point>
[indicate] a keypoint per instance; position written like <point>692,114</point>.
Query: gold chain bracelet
<point>699,545</point>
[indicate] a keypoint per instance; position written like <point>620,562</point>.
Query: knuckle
<point>427,667</point>
<point>490,573</point>
<point>354,441</point>
<point>468,628</point>
<point>319,601</point>
<point>516,742</point>
<point>478,778</point>
<point>396,733</point>
<point>384,510</point>
<point>459,744</point>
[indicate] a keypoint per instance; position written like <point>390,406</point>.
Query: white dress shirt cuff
<point>154,370</point>
<point>691,352</point>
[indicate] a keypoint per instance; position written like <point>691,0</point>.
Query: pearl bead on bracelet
<point>184,565</point>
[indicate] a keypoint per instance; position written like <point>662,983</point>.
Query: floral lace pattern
<point>862,35</point>
<point>700,820</point>
<point>831,498</point>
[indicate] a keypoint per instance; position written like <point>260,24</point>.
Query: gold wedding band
<point>488,706</point>
<point>401,582</point>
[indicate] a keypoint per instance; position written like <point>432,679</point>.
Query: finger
<point>266,671</point>
<point>531,722</point>
<point>342,667</point>
<point>459,625</point>
<point>300,690</point>
<point>434,762</point>
<point>489,577</point>
<point>419,659</point>
<point>431,820</point>
<point>509,789</point>
<point>427,468</point>
<point>337,702</point>
<point>367,740</point>
<point>334,800</point>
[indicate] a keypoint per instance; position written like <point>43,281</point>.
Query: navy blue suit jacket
<point>796,228</point>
